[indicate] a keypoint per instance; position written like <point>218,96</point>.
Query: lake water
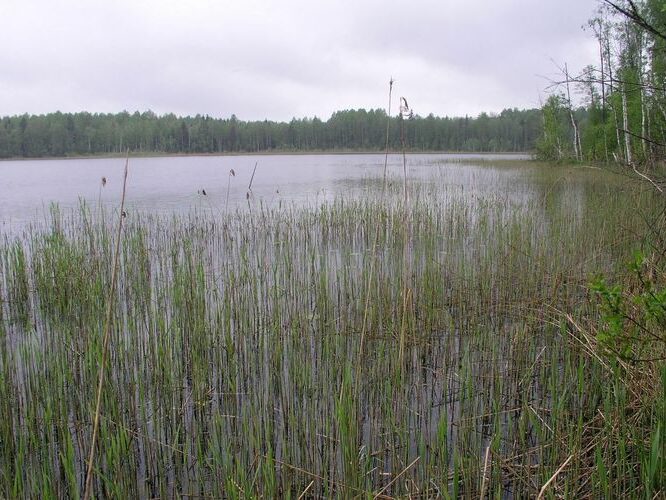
<point>175,184</point>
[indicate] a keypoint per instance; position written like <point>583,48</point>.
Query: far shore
<point>257,153</point>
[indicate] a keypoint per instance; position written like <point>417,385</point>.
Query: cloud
<point>275,60</point>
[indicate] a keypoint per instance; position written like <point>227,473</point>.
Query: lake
<point>174,184</point>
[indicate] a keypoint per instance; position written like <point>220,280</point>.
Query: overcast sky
<point>278,59</point>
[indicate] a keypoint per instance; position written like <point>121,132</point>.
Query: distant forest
<point>72,134</point>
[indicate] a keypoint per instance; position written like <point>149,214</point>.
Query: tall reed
<point>255,352</point>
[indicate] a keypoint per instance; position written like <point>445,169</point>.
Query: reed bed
<point>235,367</point>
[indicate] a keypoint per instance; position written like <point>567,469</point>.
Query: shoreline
<point>111,156</point>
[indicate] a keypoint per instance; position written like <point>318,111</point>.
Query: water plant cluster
<point>271,351</point>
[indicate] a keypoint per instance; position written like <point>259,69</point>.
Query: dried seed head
<point>405,111</point>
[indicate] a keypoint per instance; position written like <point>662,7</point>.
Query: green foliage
<point>632,334</point>
<point>623,95</point>
<point>612,307</point>
<point>60,134</point>
<point>633,313</point>
<point>553,145</point>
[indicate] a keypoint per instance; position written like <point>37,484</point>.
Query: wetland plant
<point>270,353</point>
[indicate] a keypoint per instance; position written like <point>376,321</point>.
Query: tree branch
<point>634,15</point>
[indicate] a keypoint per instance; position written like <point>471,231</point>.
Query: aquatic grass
<point>239,366</point>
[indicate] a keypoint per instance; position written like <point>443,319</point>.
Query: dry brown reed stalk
<point>373,258</point>
<point>412,464</point>
<point>484,484</point>
<point>638,377</point>
<point>107,335</point>
<point>604,428</point>
<point>173,449</point>
<point>248,195</point>
<point>102,184</point>
<point>232,173</point>
<point>254,171</point>
<point>307,488</point>
<point>361,493</point>
<point>542,492</point>
<point>405,113</point>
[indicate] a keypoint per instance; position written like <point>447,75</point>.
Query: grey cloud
<point>270,59</point>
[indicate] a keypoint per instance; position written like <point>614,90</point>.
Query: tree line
<point>69,134</point>
<point>621,116</point>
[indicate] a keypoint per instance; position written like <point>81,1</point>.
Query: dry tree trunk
<point>576,137</point>
<point>625,123</point>
<point>603,89</point>
<point>616,119</point>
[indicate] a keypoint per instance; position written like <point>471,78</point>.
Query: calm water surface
<point>175,184</point>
